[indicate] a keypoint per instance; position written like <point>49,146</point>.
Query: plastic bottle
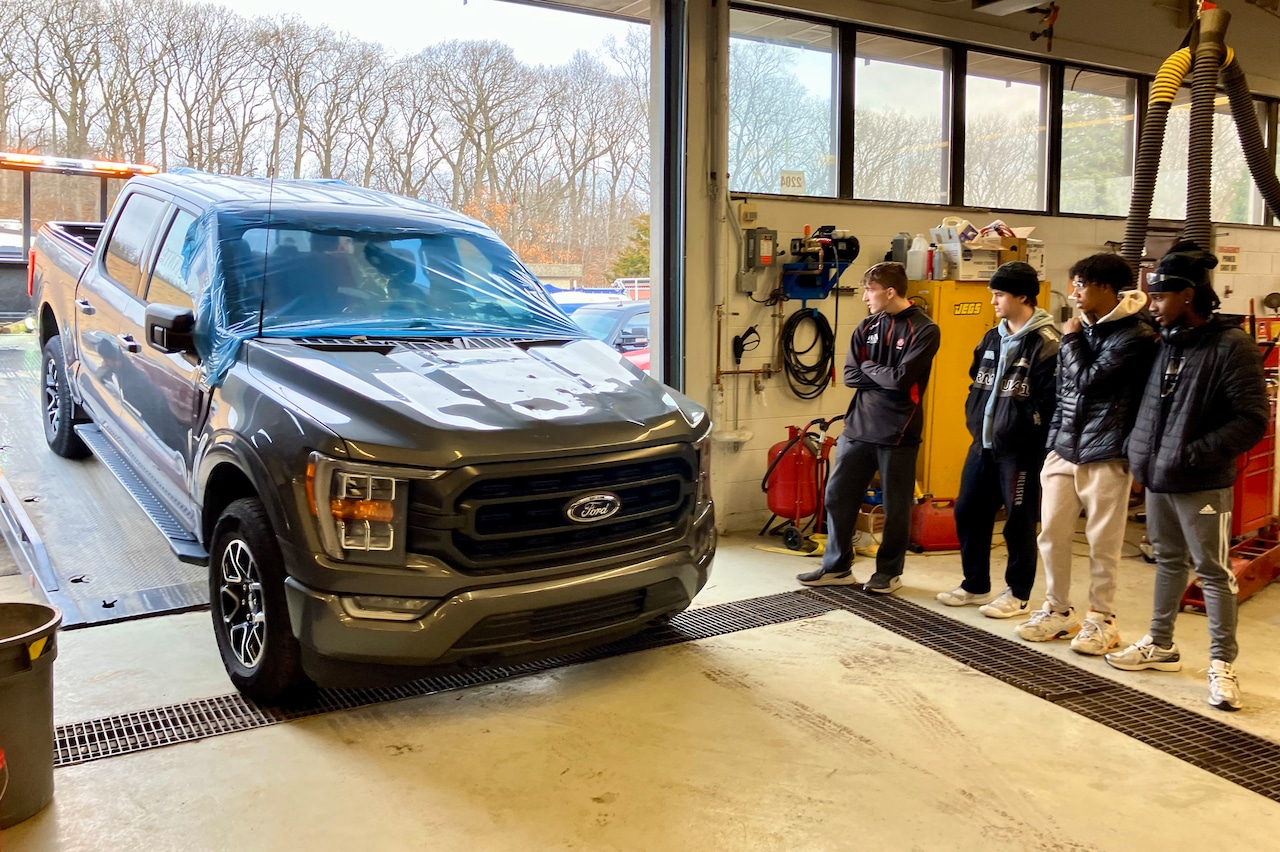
<point>918,259</point>
<point>901,244</point>
<point>938,265</point>
<point>928,267</point>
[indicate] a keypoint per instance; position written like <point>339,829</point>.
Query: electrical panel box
<point>761,248</point>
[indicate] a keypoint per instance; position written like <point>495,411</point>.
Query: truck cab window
<point>128,240</point>
<point>169,285</point>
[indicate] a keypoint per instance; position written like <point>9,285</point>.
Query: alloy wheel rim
<point>52,413</point>
<point>240,599</point>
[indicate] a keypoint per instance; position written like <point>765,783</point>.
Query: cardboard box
<point>964,262</point>
<point>1035,256</point>
<point>870,519</point>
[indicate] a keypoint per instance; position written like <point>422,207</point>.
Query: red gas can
<point>933,525</point>
<point>793,483</point>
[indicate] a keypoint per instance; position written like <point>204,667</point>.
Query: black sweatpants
<point>855,464</point>
<point>988,482</point>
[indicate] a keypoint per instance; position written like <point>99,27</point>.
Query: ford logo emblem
<point>592,508</point>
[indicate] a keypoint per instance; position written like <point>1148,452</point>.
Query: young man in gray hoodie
<point>1103,363</point>
<point>1008,411</point>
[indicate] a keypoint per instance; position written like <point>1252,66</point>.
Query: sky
<point>539,36</point>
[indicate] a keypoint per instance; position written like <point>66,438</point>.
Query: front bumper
<point>481,625</point>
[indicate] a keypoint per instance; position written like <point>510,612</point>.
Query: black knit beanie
<point>1017,278</point>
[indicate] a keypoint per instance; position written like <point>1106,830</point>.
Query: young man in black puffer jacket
<point>1205,403</point>
<point>1008,412</point>
<point>1103,362</point>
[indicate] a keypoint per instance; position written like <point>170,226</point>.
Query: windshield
<point>346,271</point>
<point>598,324</point>
<point>327,282</point>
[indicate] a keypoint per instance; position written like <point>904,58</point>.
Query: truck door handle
<point>86,308</point>
<point>130,345</point>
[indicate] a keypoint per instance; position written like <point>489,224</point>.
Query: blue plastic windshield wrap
<point>345,270</point>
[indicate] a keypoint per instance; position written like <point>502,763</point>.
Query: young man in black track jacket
<point>890,358</point>
<point>1010,404</point>
<point>1205,403</point>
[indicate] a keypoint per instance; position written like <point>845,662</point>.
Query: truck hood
<point>443,403</point>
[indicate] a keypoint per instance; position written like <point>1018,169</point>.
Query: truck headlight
<point>361,510</point>
<point>703,448</point>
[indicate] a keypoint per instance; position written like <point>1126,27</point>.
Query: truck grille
<point>510,518</point>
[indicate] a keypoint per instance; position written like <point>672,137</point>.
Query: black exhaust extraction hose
<point>1165,88</point>
<point>1255,149</point>
<point>1210,51</point>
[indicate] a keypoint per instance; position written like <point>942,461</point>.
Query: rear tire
<point>60,412</point>
<point>250,615</point>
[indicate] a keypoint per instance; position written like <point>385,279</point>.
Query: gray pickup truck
<point>393,451</point>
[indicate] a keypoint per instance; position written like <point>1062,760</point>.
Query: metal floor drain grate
<point>126,733</point>
<point>1238,756</point>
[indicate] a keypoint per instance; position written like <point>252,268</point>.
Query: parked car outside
<point>622,325</point>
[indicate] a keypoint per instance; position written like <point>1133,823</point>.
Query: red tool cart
<point>1255,555</point>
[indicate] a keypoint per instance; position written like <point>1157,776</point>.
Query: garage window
<point>782,136</point>
<point>901,140</point>
<point>1098,142</point>
<point>1005,143</point>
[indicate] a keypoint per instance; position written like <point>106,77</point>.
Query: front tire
<point>61,414</point>
<point>247,599</point>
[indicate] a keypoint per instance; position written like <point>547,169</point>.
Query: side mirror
<point>629,342</point>
<point>170,328</point>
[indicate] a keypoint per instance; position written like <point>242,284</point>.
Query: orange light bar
<point>70,165</point>
<point>362,510</point>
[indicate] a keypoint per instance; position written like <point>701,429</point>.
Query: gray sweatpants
<point>1194,530</point>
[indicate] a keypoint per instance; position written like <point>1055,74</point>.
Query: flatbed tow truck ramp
<point>94,553</point>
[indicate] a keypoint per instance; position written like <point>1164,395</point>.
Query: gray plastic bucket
<point>28,647</point>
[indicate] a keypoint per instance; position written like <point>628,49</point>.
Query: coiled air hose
<point>808,379</point>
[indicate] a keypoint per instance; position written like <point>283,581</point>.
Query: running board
<point>184,545</point>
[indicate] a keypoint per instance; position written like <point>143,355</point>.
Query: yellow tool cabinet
<point>963,312</point>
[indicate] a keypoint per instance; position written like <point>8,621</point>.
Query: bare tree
<point>61,60</point>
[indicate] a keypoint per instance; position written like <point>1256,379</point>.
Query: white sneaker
<point>959,597</point>
<point>1045,624</point>
<point>1146,654</point>
<point>1006,606</point>
<point>1098,635</point>
<point>1224,686</point>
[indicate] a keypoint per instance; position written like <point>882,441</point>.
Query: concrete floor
<point>826,733</point>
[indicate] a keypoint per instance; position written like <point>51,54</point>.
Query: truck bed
<point>82,235</point>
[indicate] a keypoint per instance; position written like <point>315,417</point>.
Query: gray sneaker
<point>1146,654</point>
<point>1224,687</point>
<point>882,584</point>
<point>820,577</point>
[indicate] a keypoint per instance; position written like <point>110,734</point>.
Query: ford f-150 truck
<point>392,449</point>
